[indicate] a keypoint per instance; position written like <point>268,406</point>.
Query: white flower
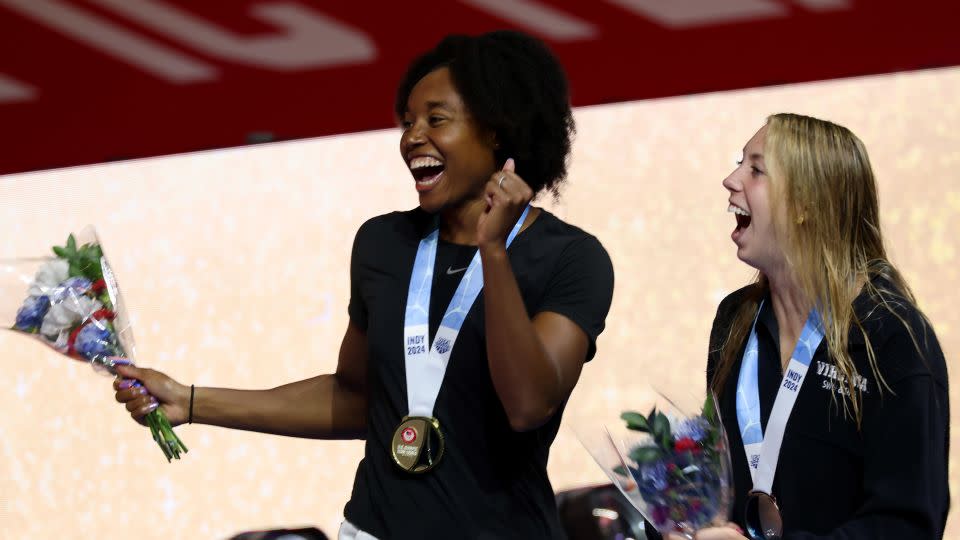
<point>49,276</point>
<point>63,316</point>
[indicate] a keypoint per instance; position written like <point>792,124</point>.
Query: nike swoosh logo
<point>451,271</point>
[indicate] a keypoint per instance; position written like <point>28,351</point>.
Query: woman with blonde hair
<point>860,449</point>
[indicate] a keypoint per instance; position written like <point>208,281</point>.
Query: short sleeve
<point>357,308</point>
<point>581,288</point>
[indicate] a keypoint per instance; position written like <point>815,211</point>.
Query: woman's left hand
<point>507,195</point>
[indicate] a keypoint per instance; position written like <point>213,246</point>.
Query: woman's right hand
<point>155,389</point>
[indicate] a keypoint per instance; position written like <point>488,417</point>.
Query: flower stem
<point>163,434</point>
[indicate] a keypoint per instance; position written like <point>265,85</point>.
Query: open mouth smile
<point>427,171</point>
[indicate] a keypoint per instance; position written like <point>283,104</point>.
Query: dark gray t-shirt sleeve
<point>359,266</point>
<point>581,288</point>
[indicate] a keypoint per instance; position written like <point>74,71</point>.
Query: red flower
<point>99,285</point>
<point>101,314</point>
<point>685,443</point>
<point>73,338</point>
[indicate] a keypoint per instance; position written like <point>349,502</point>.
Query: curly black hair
<point>514,86</point>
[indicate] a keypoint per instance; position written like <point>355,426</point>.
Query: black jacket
<point>886,479</point>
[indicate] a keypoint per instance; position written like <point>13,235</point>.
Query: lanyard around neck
<point>426,364</point>
<point>763,448</point>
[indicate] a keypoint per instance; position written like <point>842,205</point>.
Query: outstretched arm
<point>329,406</point>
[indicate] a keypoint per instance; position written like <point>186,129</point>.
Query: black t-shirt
<point>492,481</point>
<point>885,480</point>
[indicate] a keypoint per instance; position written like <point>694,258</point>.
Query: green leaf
<point>61,252</point>
<point>646,454</point>
<point>621,470</point>
<point>661,427</point>
<point>709,439</point>
<point>709,409</point>
<point>91,252</point>
<point>87,264</point>
<point>91,270</point>
<point>71,244</point>
<point>635,421</point>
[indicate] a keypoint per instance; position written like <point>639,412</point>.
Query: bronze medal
<point>417,444</point>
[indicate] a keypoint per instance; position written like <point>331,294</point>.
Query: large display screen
<point>234,265</point>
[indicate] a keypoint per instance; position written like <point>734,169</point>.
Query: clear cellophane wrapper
<point>67,297</point>
<point>672,463</point>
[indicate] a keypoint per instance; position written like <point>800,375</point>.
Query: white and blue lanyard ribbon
<point>763,449</point>
<point>426,364</point>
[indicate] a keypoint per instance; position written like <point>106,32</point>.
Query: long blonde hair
<point>824,192</point>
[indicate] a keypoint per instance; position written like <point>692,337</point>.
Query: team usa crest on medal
<point>417,445</point>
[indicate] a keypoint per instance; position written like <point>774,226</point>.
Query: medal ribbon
<point>763,449</point>
<point>426,364</point>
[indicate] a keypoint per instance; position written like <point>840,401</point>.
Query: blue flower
<point>654,476</point>
<point>31,314</point>
<point>93,341</point>
<point>693,428</point>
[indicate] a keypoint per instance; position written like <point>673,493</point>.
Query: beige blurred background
<point>234,265</point>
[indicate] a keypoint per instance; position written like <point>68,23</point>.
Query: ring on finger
<point>500,183</point>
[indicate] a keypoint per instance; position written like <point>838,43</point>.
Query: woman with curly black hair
<point>470,316</point>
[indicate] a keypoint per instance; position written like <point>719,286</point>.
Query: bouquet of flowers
<point>673,467</point>
<point>73,305</point>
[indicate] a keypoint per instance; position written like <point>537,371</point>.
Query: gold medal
<point>417,444</point>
